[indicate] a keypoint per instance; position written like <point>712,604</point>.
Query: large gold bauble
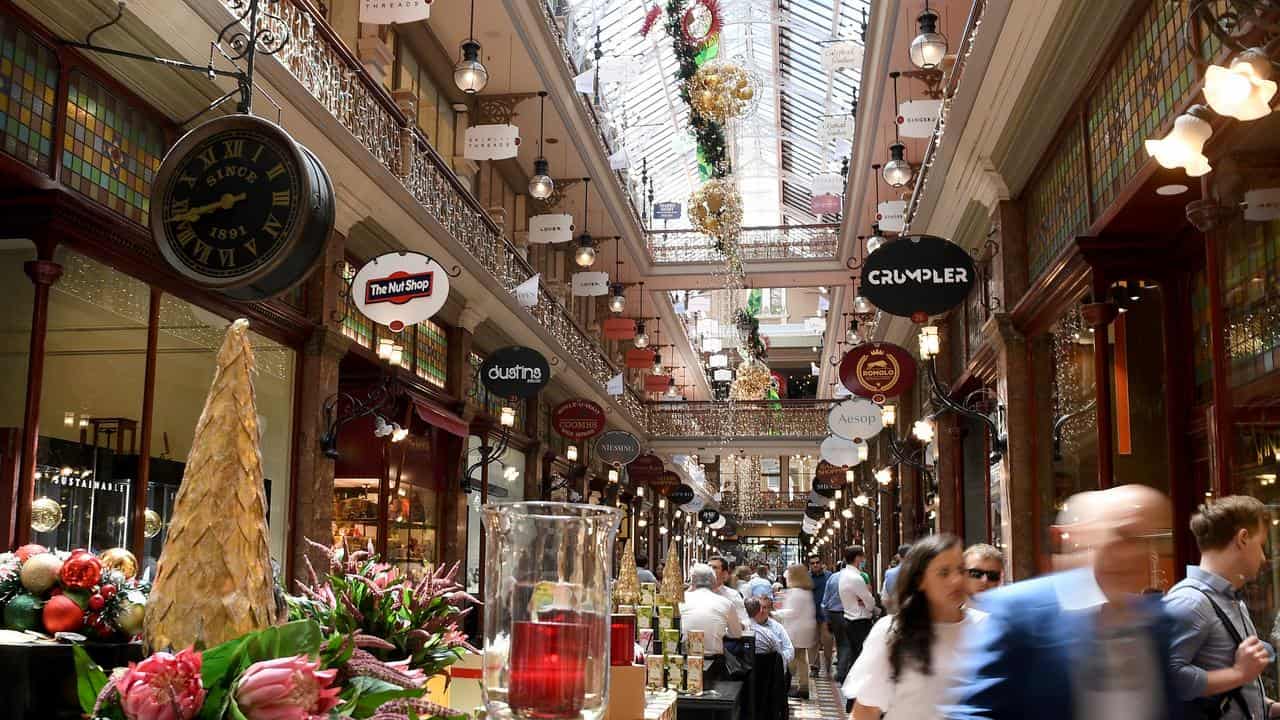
<point>715,209</point>
<point>719,92</point>
<point>751,382</point>
<point>46,514</point>
<point>153,524</point>
<point>120,560</point>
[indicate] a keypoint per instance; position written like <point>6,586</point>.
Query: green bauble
<point>23,613</point>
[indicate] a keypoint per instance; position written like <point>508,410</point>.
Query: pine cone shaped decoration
<point>671,591</point>
<point>626,591</point>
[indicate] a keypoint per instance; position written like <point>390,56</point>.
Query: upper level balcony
<point>756,244</point>
<point>800,421</point>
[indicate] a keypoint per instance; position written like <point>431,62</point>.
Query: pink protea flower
<point>162,687</point>
<point>291,688</point>
<point>414,674</point>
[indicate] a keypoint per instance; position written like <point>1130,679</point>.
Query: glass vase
<point>548,568</point>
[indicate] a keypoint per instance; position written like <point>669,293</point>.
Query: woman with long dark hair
<point>905,662</point>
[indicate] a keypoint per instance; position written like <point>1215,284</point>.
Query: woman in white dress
<point>906,661</point>
<point>800,618</point>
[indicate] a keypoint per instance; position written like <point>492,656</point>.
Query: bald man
<point>1084,643</point>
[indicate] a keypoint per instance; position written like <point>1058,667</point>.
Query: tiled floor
<point>824,702</point>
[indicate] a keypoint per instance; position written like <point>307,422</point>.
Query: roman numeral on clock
<point>201,251</point>
<point>227,256</point>
<point>280,198</point>
<point>232,149</point>
<point>272,227</point>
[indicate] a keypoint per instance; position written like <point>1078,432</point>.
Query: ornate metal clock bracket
<point>993,420</point>
<point>253,31</point>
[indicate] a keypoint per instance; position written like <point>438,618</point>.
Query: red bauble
<point>26,551</point>
<point>97,602</point>
<point>108,591</point>
<point>81,571</point>
<point>62,614</point>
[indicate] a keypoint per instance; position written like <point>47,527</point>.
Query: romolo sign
<point>578,419</point>
<point>917,276</point>
<point>856,419</point>
<point>878,370</point>
<point>617,447</point>
<point>515,371</point>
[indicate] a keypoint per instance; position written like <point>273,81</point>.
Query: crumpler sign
<point>878,370</point>
<point>617,447</point>
<point>646,470</point>
<point>515,371</point>
<point>839,451</point>
<point>400,289</point>
<point>619,328</point>
<point>681,495</point>
<point>578,419</point>
<point>639,358</point>
<point>856,419</point>
<point>917,276</point>
<point>665,483</point>
<point>708,516</point>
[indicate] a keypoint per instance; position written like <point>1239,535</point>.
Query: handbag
<point>739,659</point>
<point>1216,706</point>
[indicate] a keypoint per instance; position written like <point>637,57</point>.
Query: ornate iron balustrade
<point>770,500</point>
<point>755,419</point>
<point>780,242</point>
<point>324,66</point>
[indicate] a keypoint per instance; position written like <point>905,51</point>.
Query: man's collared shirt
<point>739,607</point>
<point>855,596</point>
<point>772,637</point>
<point>819,592</point>
<point>704,610</point>
<point>831,597</point>
<point>759,587</point>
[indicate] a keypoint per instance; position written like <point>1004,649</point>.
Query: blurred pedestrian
<point>904,669</point>
<point>643,572</point>
<point>1081,643</point>
<point>704,610</point>
<point>798,615</point>
<point>761,584</point>
<point>890,575</point>
<point>824,645</point>
<point>859,607</point>
<point>834,609</point>
<point>984,566</point>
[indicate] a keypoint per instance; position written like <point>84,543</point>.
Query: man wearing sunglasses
<point>984,566</point>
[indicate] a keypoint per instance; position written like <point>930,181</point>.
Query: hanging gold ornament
<point>721,92</point>
<point>46,514</point>
<point>751,382</point>
<point>153,524</point>
<point>715,209</point>
<point>120,559</point>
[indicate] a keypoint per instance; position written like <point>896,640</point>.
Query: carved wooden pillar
<point>1098,316</point>
<point>1019,507</point>
<point>43,272</point>
<point>949,465</point>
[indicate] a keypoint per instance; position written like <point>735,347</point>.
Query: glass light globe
<point>585,256</point>
<point>642,338</point>
<point>1242,91</point>
<point>469,74</point>
<point>874,242</point>
<point>861,305</point>
<point>617,302</point>
<point>541,186</point>
<point>897,172</point>
<point>1184,145</point>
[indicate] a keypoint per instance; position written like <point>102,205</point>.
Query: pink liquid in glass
<point>548,668</point>
<point>622,640</point>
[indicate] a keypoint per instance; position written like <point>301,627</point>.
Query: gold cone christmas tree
<point>627,590</point>
<point>213,581</point>
<point>671,591</point>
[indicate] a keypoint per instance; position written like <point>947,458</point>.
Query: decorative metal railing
<point>780,242</point>
<point>771,500</point>
<point>755,419</point>
<point>324,66</point>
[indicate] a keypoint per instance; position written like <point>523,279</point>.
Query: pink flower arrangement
<point>290,688</point>
<point>162,687</point>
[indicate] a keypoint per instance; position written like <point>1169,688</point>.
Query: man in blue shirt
<point>822,654</point>
<point>760,585</point>
<point>890,575</point>
<point>833,609</point>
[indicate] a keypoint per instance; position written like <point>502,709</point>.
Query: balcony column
<point>1017,469</point>
<point>784,477</point>
<point>375,53</point>
<point>407,101</point>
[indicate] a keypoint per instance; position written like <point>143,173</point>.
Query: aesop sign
<point>856,419</point>
<point>617,447</point>
<point>515,371</point>
<point>917,276</point>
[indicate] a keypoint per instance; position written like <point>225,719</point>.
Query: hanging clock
<point>239,207</point>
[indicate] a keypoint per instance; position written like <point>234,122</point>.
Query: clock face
<point>233,201</point>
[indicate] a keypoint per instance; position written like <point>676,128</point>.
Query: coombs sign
<point>515,371</point>
<point>578,419</point>
<point>917,276</point>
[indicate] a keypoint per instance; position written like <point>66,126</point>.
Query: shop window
<point>1202,355</point>
<point>1057,208</point>
<point>506,484</point>
<point>413,506</point>
<point>28,108</point>
<point>1251,299</point>
<point>1074,442</point>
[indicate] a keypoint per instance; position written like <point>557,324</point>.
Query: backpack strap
<point>1235,694</point>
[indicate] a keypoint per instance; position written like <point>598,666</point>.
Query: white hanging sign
<point>613,70</point>
<point>400,289</point>
<point>892,215</point>
<point>548,229</point>
<point>619,160</point>
<point>827,184</point>
<point>839,451</point>
<point>840,55</point>
<point>614,386</point>
<point>835,126</point>
<point>1262,204</point>
<point>856,419</point>
<point>386,12</point>
<point>917,118</point>
<point>527,291</point>
<point>722,375</point>
<point>491,142</point>
<point>590,284</point>
<point>585,82</point>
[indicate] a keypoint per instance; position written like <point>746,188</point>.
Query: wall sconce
<point>930,343</point>
<point>848,474</point>
<point>847,513</point>
<point>69,419</point>
<point>1244,90</point>
<point>889,412</point>
<point>1183,147</point>
<point>613,475</point>
<point>507,417</point>
<point>642,522</point>
<point>662,530</point>
<point>923,430</point>
<point>571,453</point>
<point>863,452</point>
<point>640,491</point>
<point>884,475</point>
<point>662,503</point>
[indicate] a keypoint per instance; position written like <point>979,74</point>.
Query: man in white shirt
<point>771,636</point>
<point>705,610</point>
<point>721,566</point>
<point>859,607</point>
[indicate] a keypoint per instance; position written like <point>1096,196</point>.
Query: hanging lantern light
<point>469,74</point>
<point>1244,90</point>
<point>642,338</point>
<point>571,453</point>
<point>897,172</point>
<point>657,362</point>
<point>541,186</point>
<point>889,414</point>
<point>617,300</point>
<point>923,430</point>
<point>585,255</point>
<point>862,306</point>
<point>930,343</point>
<point>876,240</point>
<point>1183,147</point>
<point>930,46</point>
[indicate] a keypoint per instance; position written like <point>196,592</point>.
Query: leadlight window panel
<point>1202,355</point>
<point>431,352</point>
<point>1057,209</point>
<point>28,90</point>
<point>1141,90</point>
<point>111,150</point>
<point>1251,302</point>
<point>354,324</point>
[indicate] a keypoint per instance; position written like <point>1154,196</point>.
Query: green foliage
<point>222,664</point>
<point>90,679</point>
<point>713,154</point>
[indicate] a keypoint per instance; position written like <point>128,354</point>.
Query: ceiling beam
<point>705,278</point>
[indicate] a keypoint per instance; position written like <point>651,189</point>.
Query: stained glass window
<point>431,352</point>
<point>354,324</point>
<point>1057,209</point>
<point>1251,299</point>
<point>111,150</point>
<point>28,85</point>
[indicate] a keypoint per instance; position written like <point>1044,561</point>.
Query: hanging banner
<point>666,211</point>
<point>835,126</point>
<point>527,291</point>
<point>491,142</point>
<point>549,229</point>
<point>639,358</point>
<point>878,370</point>
<point>617,447</point>
<point>665,483</point>
<point>827,184</point>
<point>590,284</point>
<point>515,371</point>
<point>917,118</point>
<point>916,276</point>
<point>694,505</point>
<point>613,70</point>
<point>892,215</point>
<point>585,82</point>
<point>839,451</point>
<point>840,55</point>
<point>681,494</point>
<point>388,12</point>
<point>578,419</point>
<point>615,385</point>
<point>619,160</point>
<point>708,516</point>
<point>856,419</point>
<point>827,479</point>
<point>400,289</point>
<point>619,328</point>
<point>646,470</point>
<point>824,204</point>
<point>656,383</point>
<point>722,375</point>
<point>815,512</point>
<point>1262,204</point>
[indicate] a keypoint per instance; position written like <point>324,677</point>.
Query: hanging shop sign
<point>892,215</point>
<point>666,211</point>
<point>549,229</point>
<point>639,358</point>
<point>578,419</point>
<point>878,370</point>
<point>618,328</point>
<point>681,494</point>
<point>693,506</point>
<point>389,12</point>
<point>400,289</point>
<point>841,54</point>
<point>824,204</point>
<point>916,276</point>
<point>618,447</point>
<point>240,208</point>
<point>665,483</point>
<point>645,470</point>
<point>491,142</point>
<point>656,383</point>
<point>827,184</point>
<point>590,284</point>
<point>515,371</point>
<point>708,516</point>
<point>917,118</point>
<point>722,375</point>
<point>1262,204</point>
<point>828,478</point>
<point>719,523</point>
<point>835,126</point>
<point>809,526</point>
<point>815,512</point>
<point>839,451</point>
<point>856,419</point>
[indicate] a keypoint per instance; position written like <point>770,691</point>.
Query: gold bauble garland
<point>721,92</point>
<point>751,382</point>
<point>715,209</point>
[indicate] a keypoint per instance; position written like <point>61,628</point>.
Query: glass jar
<point>548,568</point>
